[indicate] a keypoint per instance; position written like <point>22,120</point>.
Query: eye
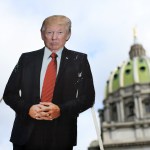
<point>60,32</point>
<point>49,32</point>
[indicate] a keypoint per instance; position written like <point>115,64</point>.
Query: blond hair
<point>57,19</point>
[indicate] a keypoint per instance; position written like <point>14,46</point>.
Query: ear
<point>68,37</point>
<point>42,35</point>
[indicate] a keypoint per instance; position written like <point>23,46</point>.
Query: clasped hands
<point>44,111</point>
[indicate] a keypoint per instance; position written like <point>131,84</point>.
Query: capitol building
<point>125,117</point>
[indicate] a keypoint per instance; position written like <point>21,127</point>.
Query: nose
<point>54,36</point>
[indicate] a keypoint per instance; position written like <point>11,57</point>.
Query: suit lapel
<point>64,61</point>
<point>38,65</point>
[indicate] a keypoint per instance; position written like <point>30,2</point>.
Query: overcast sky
<point>102,29</point>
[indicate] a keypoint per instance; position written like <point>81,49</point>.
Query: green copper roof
<point>144,72</point>
<point>115,80</point>
<point>136,70</point>
<point>128,78</point>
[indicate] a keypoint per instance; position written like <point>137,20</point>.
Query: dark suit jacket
<point>74,93</point>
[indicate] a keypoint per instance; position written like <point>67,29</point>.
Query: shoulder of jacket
<point>73,52</point>
<point>31,56</point>
<point>33,53</point>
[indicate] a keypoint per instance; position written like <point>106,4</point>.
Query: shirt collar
<point>48,52</point>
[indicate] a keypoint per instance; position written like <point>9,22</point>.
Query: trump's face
<point>55,36</point>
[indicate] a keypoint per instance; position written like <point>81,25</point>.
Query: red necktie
<point>49,80</point>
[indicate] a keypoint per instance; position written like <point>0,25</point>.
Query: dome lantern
<point>137,50</point>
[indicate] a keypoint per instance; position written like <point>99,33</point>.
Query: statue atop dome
<point>136,49</point>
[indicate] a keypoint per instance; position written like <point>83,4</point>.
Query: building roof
<point>134,70</point>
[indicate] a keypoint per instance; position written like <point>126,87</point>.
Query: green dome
<point>135,70</point>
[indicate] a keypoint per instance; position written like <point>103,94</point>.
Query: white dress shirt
<point>46,60</point>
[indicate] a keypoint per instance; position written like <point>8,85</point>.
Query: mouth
<point>54,43</point>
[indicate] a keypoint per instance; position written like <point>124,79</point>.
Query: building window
<point>128,71</point>
<point>113,112</point>
<point>147,106</point>
<point>143,68</point>
<point>129,111</point>
<point>115,76</point>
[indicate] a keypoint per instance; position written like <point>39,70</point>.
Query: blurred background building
<point>125,118</point>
